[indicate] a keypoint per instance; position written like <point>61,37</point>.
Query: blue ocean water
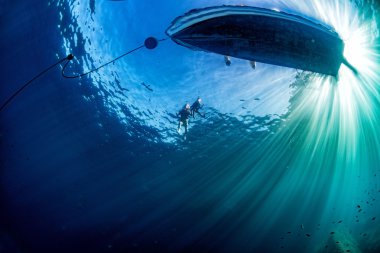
<point>284,161</point>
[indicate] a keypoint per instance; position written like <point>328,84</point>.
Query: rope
<point>101,66</point>
<point>29,82</point>
<point>105,64</point>
<point>69,58</point>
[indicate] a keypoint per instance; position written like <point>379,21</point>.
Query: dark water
<point>285,161</point>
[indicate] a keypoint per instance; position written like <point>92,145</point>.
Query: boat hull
<point>262,35</point>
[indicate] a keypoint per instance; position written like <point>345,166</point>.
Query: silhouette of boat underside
<point>261,35</point>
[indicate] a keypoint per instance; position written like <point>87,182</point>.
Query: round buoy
<point>151,43</point>
<point>70,57</point>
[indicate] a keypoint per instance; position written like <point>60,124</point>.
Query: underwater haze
<point>283,161</point>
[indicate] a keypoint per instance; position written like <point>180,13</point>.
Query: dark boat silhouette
<point>262,35</point>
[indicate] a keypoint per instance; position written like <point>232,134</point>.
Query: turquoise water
<point>285,160</point>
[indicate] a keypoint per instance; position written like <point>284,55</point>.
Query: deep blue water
<point>285,161</point>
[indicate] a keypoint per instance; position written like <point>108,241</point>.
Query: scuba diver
<point>195,108</point>
<point>184,114</point>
